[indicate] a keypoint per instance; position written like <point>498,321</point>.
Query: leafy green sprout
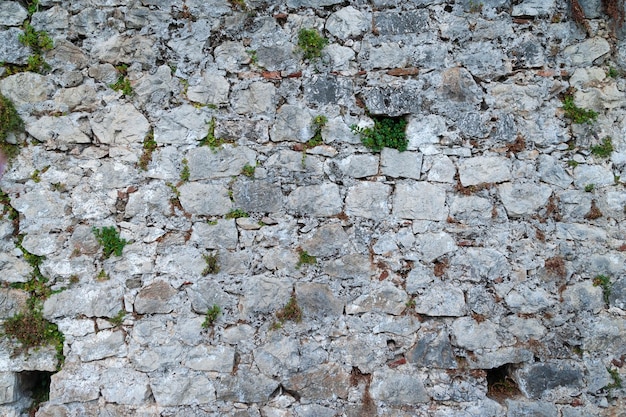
<point>122,84</point>
<point>311,43</point>
<point>605,149</point>
<point>305,259</point>
<point>572,163</point>
<point>617,380</point>
<point>577,114</point>
<point>211,315</point>
<point>110,240</point>
<point>605,283</point>
<point>387,132</point>
<point>248,170</point>
<point>118,319</point>
<point>589,188</point>
<point>10,122</point>
<point>291,311</point>
<point>39,42</point>
<point>185,174</point>
<point>612,72</point>
<point>236,214</point>
<point>212,264</point>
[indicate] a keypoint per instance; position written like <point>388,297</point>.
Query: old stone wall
<point>275,266</point>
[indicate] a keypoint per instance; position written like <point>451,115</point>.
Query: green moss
<point>617,379</point>
<point>212,264</point>
<point>210,140</point>
<point>589,188</point>
<point>10,122</point>
<point>39,42</point>
<point>248,170</point>
<point>184,174</point>
<point>387,132</point>
<point>605,283</point>
<point>110,240</point>
<point>576,114</point>
<point>118,319</point>
<point>236,214</point>
<point>305,259</point>
<point>122,84</point>
<point>311,43</point>
<point>572,163</point>
<point>605,149</point>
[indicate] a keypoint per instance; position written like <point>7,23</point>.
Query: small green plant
<point>612,72</point>
<point>110,240</point>
<point>311,43</point>
<point>305,258</point>
<point>32,330</point>
<point>604,150</point>
<point>10,122</point>
<point>318,124</point>
<point>102,276</point>
<point>122,84</point>
<point>212,264</point>
<point>291,311</point>
<point>253,57</point>
<point>604,282</point>
<point>572,163</point>
<point>118,319</point>
<point>35,176</point>
<point>589,188</point>
<point>410,304</point>
<point>211,315</point>
<point>617,379</point>
<point>248,170</point>
<point>387,132</point>
<point>210,140</point>
<point>149,146</point>
<point>39,42</point>
<point>184,174</point>
<point>236,214</point>
<point>576,114</point>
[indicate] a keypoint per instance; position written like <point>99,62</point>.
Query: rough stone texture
<point>435,266</point>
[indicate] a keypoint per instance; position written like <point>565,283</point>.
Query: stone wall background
<point>446,275</point>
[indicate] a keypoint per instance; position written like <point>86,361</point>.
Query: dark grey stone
<point>530,409</point>
<point>329,89</point>
<point>433,350</point>
<point>318,301</point>
<point>258,196</point>
<point>617,298</point>
<point>399,23</point>
<point>394,101</point>
<point>538,379</point>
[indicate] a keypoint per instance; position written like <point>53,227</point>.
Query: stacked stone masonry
<point>456,278</point>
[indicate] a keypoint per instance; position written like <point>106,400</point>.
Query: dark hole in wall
<point>35,385</point>
<point>500,383</point>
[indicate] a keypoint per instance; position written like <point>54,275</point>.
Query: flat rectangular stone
<point>419,200</point>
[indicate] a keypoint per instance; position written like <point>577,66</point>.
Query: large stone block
<point>315,200</point>
<point>484,169</point>
<point>369,200</point>
<point>182,387</point>
<point>419,201</point>
<point>397,387</point>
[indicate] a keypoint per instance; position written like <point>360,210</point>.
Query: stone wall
<point>478,273</point>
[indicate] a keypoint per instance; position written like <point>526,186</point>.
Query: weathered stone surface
<point>472,335</point>
<point>119,125</point>
<point>204,199</point>
<point>397,23</point>
<point>369,200</point>
<point>533,8</point>
<point>327,241</point>
<point>63,130</point>
<point>293,123</point>
<point>125,386</point>
<point>100,345</point>
<point>419,278</point>
<point>206,163</point>
<point>355,166</point>
<point>597,175</point>
<point>12,13</point>
<point>584,53</point>
<point>126,49</point>
<point>318,301</point>
<point>553,379</point>
<point>583,296</point>
<point>315,200</point>
<point>433,350</point>
<point>552,172</point>
<point>258,98</point>
<point>434,245</point>
<point>25,88</point>
<point>534,408</point>
<point>528,300</point>
<point>441,169</point>
<point>245,387</point>
<point>182,125</point>
<point>385,299</point>
<point>211,358</point>
<point>13,52</point>
<point>401,164</point>
<point>521,199</point>
<point>484,169</point>
<point>323,382</point>
<point>440,299</point>
<point>158,297</point>
<point>419,200</point>
<point>617,297</point>
<point>102,301</point>
<point>75,383</point>
<point>347,23</point>
<point>265,295</point>
<point>398,325</point>
<point>258,196</point>
<point>182,387</point>
<point>8,386</point>
<point>394,101</point>
<point>397,387</point>
<point>213,236</point>
<point>210,89</point>
<point>353,266</point>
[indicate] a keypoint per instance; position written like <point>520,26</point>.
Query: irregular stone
<point>95,301</point>
<point>584,53</point>
<point>204,199</point>
<point>552,172</point>
<point>154,88</point>
<point>278,56</point>
<point>419,278</point>
<point>13,52</point>
<point>245,387</point>
<point>158,297</point>
<point>440,299</point>
<point>103,344</point>
<point>601,333</point>
<point>552,380</point>
<point>469,334</point>
<point>617,297</point>
<point>126,49</point>
<point>279,357</point>
<point>434,245</point>
<point>458,91</point>
<point>75,383</point>
<point>68,56</point>
<point>419,200</point>
<point>113,174</point>
<point>597,375</point>
<point>318,301</point>
<point>293,123</point>
<point>521,199</point>
<point>401,164</point>
<point>286,162</point>
<point>399,23</point>
<point>355,166</point>
<point>258,98</point>
<point>369,200</point>
<point>213,236</point>
<point>484,169</point>
<point>494,358</point>
<point>397,325</point>
<point>182,387</point>
<point>514,98</point>
<point>81,98</point>
<point>125,386</point>
<point>119,125</point>
<point>526,408</point>
<point>355,266</point>
<point>397,387</point>
<point>12,13</point>
<point>583,296</point>
<point>315,200</point>
<point>597,175</point>
<point>25,88</point>
<point>433,350</point>
<point>9,383</point>
<point>323,382</point>
<point>11,302</point>
<point>385,299</point>
<point>394,100</point>
<point>52,19</point>
<point>264,295</point>
<point>148,201</point>
<point>524,328</point>
<point>205,163</point>
<point>441,169</point>
<point>581,232</point>
<point>258,196</point>
<point>533,8</point>
<point>328,240</point>
<point>210,89</point>
<point>183,125</point>
<point>347,22</point>
<point>211,358</point>
<point>230,56</point>
<point>525,300</point>
<point>330,89</point>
